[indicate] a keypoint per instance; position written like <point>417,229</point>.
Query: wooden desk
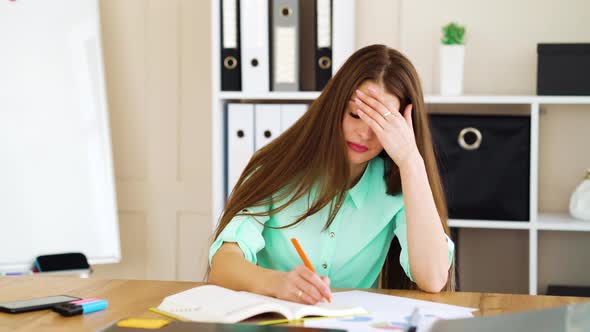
<point>132,298</point>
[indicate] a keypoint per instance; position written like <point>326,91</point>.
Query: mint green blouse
<point>351,252</point>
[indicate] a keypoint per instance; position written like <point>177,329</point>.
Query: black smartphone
<point>39,303</point>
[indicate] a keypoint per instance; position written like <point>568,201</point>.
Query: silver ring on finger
<point>386,114</point>
<point>300,293</point>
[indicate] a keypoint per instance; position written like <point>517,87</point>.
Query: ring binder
<point>307,45</point>
<point>240,140</point>
<point>231,77</point>
<point>267,123</point>
<point>254,42</point>
<point>285,45</point>
<point>290,113</point>
<point>324,43</point>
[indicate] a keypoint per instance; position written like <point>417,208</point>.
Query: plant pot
<point>451,69</point>
<point>580,199</point>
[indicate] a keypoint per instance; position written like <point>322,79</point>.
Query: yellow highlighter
<point>143,323</point>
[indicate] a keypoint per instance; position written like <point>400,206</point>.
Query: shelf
<point>506,99</point>
<point>431,99</point>
<point>546,222</point>
<point>561,222</point>
<point>493,224</point>
<point>478,99</point>
<point>292,95</point>
<point>562,100</point>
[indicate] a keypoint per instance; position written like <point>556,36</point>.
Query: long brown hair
<point>313,150</point>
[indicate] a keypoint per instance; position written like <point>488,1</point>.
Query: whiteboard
<point>57,191</point>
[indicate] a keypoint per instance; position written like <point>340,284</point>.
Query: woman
<point>334,181</point>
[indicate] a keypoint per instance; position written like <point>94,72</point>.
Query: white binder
<point>290,113</point>
<point>240,141</point>
<point>267,123</point>
<point>342,32</point>
<point>254,43</point>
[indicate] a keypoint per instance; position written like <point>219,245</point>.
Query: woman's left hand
<point>394,131</point>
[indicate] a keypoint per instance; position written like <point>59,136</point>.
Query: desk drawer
<point>484,163</point>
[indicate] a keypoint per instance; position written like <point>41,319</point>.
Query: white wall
<point>501,36</point>
<point>157,63</point>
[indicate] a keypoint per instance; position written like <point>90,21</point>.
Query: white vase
<point>580,200</point>
<point>451,69</point>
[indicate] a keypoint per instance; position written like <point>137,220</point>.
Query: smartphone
<point>39,303</point>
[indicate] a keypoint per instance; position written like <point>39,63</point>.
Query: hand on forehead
<point>385,97</point>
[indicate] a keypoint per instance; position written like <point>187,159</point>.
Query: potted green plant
<point>452,55</point>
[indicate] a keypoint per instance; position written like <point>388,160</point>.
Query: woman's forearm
<point>427,246</point>
<point>231,270</point>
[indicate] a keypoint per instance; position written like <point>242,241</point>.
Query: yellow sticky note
<point>143,323</point>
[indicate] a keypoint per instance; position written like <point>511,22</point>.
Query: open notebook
<point>217,304</point>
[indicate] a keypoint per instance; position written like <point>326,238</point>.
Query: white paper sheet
<point>388,312</point>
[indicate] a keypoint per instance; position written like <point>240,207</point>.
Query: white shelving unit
<point>489,224</point>
<point>508,100</point>
<point>343,45</point>
<point>561,222</point>
<point>539,221</point>
<point>271,96</point>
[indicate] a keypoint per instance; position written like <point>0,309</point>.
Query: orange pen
<point>305,260</point>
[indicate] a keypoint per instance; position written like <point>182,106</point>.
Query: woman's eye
<point>354,115</point>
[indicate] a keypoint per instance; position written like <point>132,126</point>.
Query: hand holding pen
<point>301,284</point>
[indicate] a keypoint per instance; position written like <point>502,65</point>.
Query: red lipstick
<point>357,147</point>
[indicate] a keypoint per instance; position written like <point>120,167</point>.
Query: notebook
<point>211,303</point>
<point>214,327</point>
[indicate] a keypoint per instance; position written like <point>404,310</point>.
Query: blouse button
<point>325,266</point>
<point>332,234</point>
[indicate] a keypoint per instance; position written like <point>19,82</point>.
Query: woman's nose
<point>365,132</point>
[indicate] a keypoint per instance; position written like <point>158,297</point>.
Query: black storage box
<point>563,69</point>
<point>568,290</point>
<point>484,163</point>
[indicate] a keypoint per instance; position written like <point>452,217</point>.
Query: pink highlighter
<point>92,299</point>
<point>79,307</point>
